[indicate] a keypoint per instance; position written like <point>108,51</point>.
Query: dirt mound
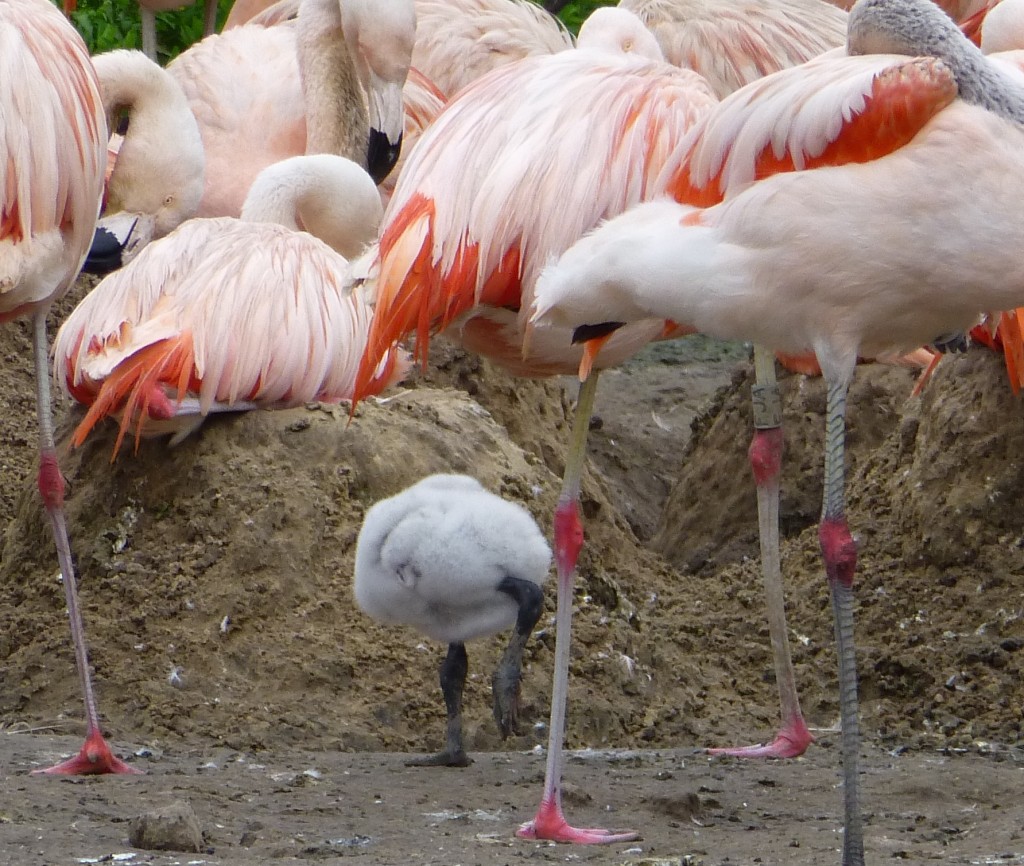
<point>931,483</point>
<point>216,575</point>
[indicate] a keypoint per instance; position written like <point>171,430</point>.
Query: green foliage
<point>576,12</point>
<point>109,24</point>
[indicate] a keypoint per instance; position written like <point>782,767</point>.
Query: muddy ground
<point>232,665</point>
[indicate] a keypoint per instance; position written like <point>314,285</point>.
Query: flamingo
<point>330,82</point>
<point>158,167</point>
<point>229,314</point>
<point>999,29</point>
<point>52,156</point>
<point>455,562</point>
<point>423,102</point>
<point>496,187</point>
<point>156,170</point>
<point>734,42</point>
<point>1001,26</point>
<point>457,41</point>
<point>798,243</point>
<point>264,14</point>
<point>731,44</point>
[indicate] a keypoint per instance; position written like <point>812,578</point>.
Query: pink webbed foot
<point>550,824</point>
<point>94,759</point>
<point>790,742</point>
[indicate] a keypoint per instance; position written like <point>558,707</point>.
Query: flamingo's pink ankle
<point>568,536</point>
<point>50,481</point>
<point>838,549</point>
<point>765,454</point>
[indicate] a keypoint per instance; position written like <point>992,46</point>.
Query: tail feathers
<point>422,292</point>
<point>1011,334</point>
<point>416,294</point>
<point>135,388</point>
<point>392,369</point>
<point>1007,335</point>
<point>403,258</point>
<point>806,364</point>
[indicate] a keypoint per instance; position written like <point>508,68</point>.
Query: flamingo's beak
<point>593,338</point>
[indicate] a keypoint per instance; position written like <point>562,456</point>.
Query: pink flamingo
<point>52,156</point>
<point>796,245</point>
<point>495,188</point>
<point>267,13</point>
<point>731,44</point>
<point>457,41</point>
<point>734,42</point>
<point>156,169</point>
<point>329,82</point>
<point>229,314</point>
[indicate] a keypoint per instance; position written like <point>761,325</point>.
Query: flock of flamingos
<point>288,201</point>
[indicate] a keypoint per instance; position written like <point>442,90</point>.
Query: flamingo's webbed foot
<point>94,759</point>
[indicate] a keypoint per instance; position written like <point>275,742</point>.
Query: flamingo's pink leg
<point>549,822</point>
<point>765,454</point>
<point>95,756</point>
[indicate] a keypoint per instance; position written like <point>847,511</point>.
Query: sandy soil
<point>230,659</point>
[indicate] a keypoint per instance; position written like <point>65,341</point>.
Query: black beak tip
<point>381,155</point>
<point>591,332</point>
<point>104,255</point>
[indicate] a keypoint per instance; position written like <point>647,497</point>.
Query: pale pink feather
<point>583,139</point>
<point>52,154</point>
<point>244,89</point>
<point>457,41</point>
<point>734,42</point>
<point>267,309</point>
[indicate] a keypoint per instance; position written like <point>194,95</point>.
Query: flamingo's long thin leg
<point>765,453</point>
<point>148,26</point>
<point>95,756</point>
<point>840,554</point>
<point>549,822</point>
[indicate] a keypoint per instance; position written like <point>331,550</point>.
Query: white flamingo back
<point>432,557</point>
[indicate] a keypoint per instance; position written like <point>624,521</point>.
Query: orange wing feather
<point>133,387</point>
<point>902,99</point>
<point>1009,337</point>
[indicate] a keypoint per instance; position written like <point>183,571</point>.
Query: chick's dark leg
<point>506,677</point>
<point>453,679</point>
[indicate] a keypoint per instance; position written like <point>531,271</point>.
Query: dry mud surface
<point>233,666</point>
